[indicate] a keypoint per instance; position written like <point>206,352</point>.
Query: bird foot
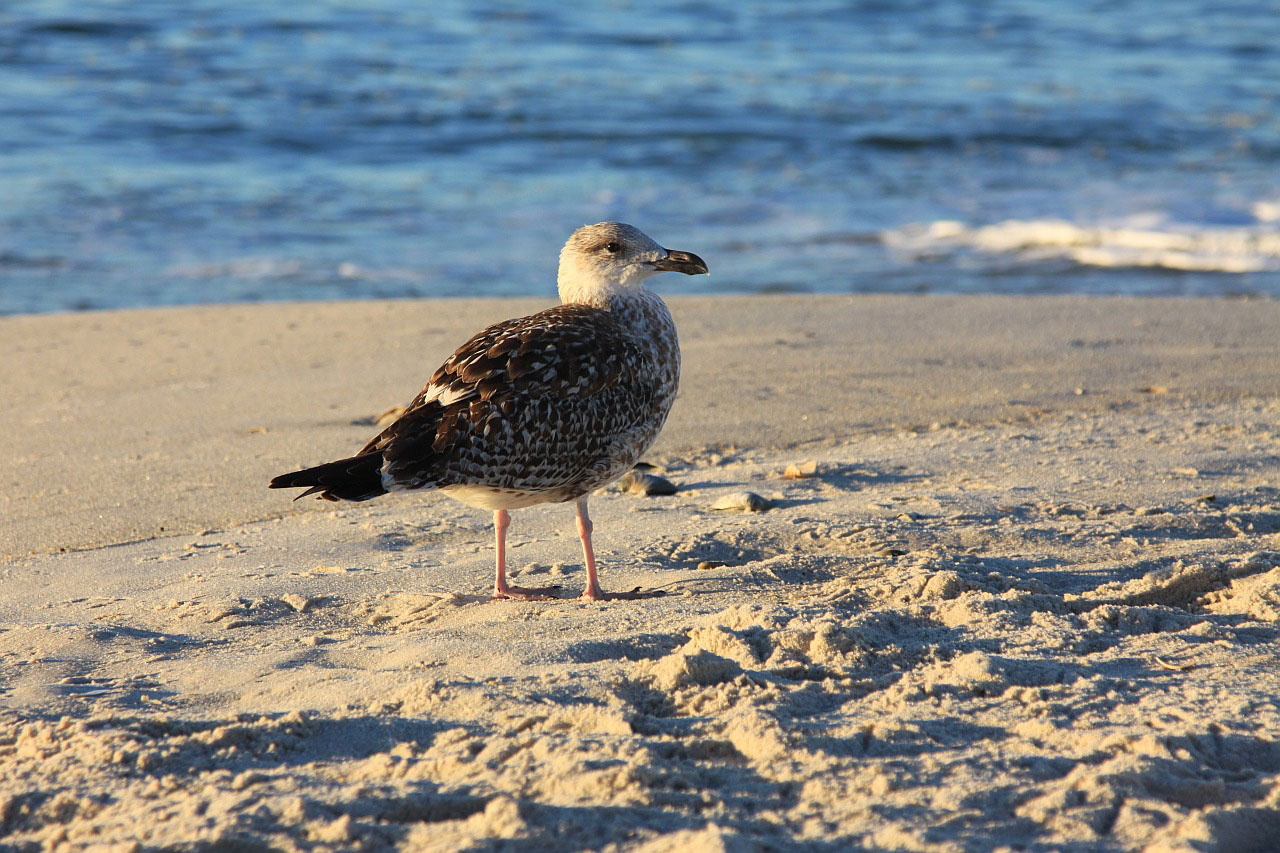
<point>598,594</point>
<point>523,593</point>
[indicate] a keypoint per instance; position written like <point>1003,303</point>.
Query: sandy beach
<point>1020,589</point>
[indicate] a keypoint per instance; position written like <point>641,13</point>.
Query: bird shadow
<point>558,593</point>
<point>856,477</point>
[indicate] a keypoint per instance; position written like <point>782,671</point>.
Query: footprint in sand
<point>408,611</point>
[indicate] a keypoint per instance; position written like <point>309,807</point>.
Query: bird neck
<point>600,294</point>
<point>634,305</point>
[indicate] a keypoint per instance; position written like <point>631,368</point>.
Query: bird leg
<point>501,521</point>
<point>593,592</point>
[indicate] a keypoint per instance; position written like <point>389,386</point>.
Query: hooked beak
<point>685,262</point>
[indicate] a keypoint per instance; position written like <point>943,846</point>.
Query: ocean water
<point>156,153</point>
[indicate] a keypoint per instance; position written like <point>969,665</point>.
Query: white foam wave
<point>1200,249</point>
<point>253,269</point>
<point>244,268</point>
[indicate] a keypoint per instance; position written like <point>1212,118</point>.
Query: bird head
<point>610,258</point>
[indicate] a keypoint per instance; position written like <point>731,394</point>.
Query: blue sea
<point>160,153</point>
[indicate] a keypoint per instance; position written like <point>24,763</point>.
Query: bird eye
<point>612,247</point>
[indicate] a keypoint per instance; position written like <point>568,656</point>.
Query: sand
<point>1021,589</point>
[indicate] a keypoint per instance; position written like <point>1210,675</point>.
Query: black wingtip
<point>357,478</point>
<point>287,481</point>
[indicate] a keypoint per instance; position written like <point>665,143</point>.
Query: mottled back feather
<point>535,403</point>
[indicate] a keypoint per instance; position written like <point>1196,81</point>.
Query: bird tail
<point>357,478</point>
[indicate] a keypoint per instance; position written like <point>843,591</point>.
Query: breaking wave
<point>1242,249</point>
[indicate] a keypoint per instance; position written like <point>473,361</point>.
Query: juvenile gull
<point>544,408</point>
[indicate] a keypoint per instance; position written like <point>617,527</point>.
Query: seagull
<point>540,409</point>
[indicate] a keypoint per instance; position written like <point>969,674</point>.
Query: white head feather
<point>607,260</point>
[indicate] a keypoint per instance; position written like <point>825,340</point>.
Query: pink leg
<point>501,521</point>
<point>593,592</point>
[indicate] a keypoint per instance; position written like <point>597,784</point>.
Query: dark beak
<point>685,262</point>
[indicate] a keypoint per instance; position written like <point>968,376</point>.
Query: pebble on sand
<point>801,470</point>
<point>742,502</point>
<point>388,416</point>
<point>299,603</point>
<point>640,483</point>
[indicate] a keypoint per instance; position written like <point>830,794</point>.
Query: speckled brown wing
<point>537,404</point>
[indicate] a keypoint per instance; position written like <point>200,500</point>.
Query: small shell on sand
<point>388,416</point>
<point>742,502</point>
<point>801,470</point>
<point>640,483</point>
